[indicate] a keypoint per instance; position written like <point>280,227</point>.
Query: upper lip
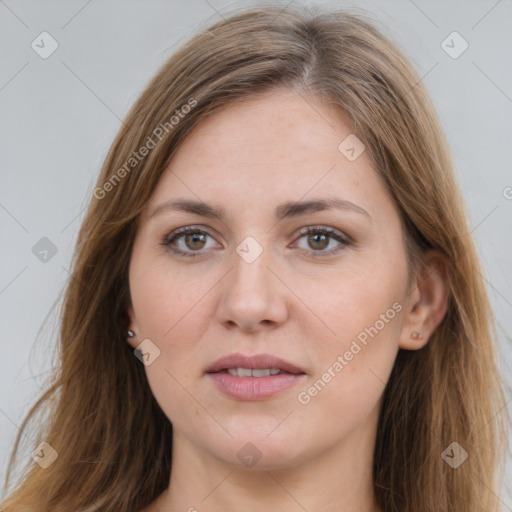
<point>254,362</point>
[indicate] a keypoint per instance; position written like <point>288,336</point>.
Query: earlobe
<point>131,333</point>
<point>428,304</point>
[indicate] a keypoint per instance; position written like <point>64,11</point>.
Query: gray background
<point>59,116</point>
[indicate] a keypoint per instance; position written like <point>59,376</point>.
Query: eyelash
<point>345,241</point>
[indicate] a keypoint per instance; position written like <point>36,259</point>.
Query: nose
<point>253,297</point>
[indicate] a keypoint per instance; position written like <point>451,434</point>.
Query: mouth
<point>254,372</point>
<point>253,377</point>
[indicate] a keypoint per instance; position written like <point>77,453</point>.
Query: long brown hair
<point>112,439</point>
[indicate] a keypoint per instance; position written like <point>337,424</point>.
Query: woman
<point>276,302</point>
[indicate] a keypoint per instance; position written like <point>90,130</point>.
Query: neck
<point>338,480</point>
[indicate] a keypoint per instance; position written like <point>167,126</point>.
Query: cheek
<point>170,311</point>
<point>361,304</point>
<point>353,368</point>
<point>165,299</point>
<point>364,309</point>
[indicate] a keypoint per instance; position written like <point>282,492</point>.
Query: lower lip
<point>254,388</point>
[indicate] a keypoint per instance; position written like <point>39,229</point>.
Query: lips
<point>253,378</point>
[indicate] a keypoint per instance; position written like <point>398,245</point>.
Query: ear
<point>428,302</point>
<point>132,326</point>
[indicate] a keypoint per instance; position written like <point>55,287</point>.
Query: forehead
<point>281,145</point>
<point>283,126</point>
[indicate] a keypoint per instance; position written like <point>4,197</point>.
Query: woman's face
<point>326,309</point>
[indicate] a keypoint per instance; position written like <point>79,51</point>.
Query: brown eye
<point>195,242</point>
<point>188,241</point>
<point>318,241</point>
<point>323,241</point>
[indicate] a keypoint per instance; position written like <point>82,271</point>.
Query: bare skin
<point>305,299</point>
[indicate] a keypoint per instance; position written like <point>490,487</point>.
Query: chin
<point>256,450</point>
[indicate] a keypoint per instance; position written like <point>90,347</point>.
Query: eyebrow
<point>288,209</point>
